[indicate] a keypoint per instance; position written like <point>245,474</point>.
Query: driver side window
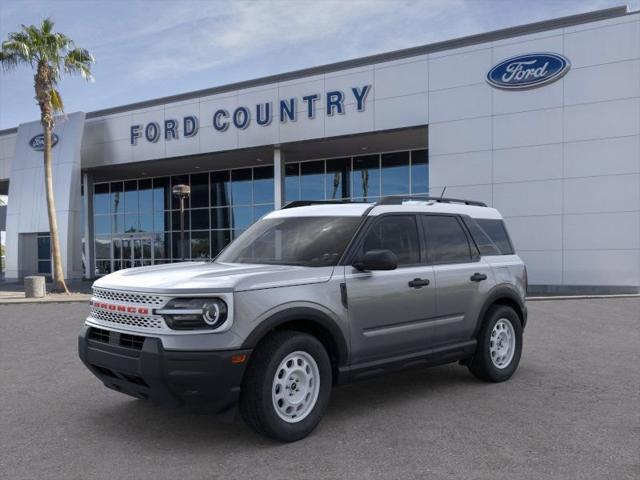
<point>398,233</point>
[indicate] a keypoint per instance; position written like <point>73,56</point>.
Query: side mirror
<point>377,260</point>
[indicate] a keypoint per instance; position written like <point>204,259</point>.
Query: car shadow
<point>145,423</point>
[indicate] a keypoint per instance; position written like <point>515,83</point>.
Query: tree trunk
<point>59,284</point>
<point>43,86</point>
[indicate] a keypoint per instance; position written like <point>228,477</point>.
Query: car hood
<point>204,277</point>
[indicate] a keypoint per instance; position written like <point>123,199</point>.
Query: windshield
<point>305,241</point>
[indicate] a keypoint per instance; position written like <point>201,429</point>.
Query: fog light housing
<point>194,313</point>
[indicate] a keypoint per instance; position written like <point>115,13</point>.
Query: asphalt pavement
<point>572,411</point>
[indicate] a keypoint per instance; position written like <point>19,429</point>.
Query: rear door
<point>462,278</point>
<point>389,311</point>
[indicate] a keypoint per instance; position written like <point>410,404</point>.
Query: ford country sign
<point>37,142</point>
<point>528,71</point>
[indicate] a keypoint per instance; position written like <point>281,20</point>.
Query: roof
<point>357,209</point>
<point>371,59</point>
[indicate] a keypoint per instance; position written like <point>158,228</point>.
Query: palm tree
<point>50,55</point>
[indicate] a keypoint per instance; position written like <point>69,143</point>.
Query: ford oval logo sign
<point>37,142</point>
<point>528,71</point>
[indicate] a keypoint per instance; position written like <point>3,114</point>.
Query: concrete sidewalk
<point>14,293</point>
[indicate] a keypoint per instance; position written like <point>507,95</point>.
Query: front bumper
<point>141,367</point>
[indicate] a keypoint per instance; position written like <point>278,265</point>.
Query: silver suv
<point>311,296</point>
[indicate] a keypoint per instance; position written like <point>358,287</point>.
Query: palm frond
<point>79,61</point>
<point>56,101</point>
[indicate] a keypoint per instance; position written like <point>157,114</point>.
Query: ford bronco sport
<point>311,296</point>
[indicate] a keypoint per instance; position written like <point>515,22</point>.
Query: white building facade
<point>541,121</point>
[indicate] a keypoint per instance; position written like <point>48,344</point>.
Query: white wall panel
<point>603,45</point>
<point>345,82</point>
<point>472,168</point>
<point>459,103</point>
<point>601,120</point>
<point>398,112</point>
<point>212,140</point>
<point>602,231</point>
<point>351,122</point>
<point>549,96</point>
<point>528,198</point>
<point>602,267</point>
<point>539,162</point>
<point>608,156</point>
<point>460,136</point>
<point>527,128</point>
<point>547,228</point>
<point>616,193</point>
<point>303,129</point>
<point>403,79</point>
<point>456,70</point>
<point>602,82</point>
<point>543,267</point>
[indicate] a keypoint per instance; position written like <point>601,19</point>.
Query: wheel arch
<point>503,295</point>
<point>306,320</point>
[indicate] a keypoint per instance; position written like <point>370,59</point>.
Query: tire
<point>497,360</point>
<point>289,408</point>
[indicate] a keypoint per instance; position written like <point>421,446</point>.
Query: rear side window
<point>497,232</point>
<point>398,233</point>
<point>484,243</point>
<point>446,240</point>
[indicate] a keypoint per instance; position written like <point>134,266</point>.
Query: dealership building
<point>541,121</point>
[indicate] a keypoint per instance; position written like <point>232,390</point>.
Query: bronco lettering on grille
<point>119,308</point>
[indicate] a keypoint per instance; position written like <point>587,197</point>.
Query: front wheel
<point>287,386</point>
<point>499,345</point>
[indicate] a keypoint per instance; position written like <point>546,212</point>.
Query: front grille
<point>99,335</point>
<point>127,320</point>
<point>131,341</point>
<point>131,298</point>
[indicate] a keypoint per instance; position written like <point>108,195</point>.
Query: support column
<point>89,256</point>
<point>278,178</point>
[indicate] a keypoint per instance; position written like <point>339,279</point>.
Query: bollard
<point>34,287</point>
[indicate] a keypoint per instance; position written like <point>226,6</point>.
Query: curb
<point>581,297</point>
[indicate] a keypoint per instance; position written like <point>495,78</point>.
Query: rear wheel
<point>499,345</point>
<point>287,386</point>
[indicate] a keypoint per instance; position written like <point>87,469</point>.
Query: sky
<point>150,49</point>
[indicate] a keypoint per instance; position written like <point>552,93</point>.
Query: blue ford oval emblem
<point>37,142</point>
<point>528,71</point>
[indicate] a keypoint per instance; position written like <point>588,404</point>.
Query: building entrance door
<point>132,251</point>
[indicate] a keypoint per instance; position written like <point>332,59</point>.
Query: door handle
<point>418,283</point>
<point>478,277</point>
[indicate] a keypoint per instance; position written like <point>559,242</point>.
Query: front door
<point>390,311</point>
<point>132,251</point>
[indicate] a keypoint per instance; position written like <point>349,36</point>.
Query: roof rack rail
<point>306,203</point>
<point>398,199</point>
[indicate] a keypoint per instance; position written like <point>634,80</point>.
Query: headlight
<point>194,313</point>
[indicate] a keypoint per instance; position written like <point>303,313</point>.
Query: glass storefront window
<point>395,173</point>
<point>220,189</point>
<point>292,182</point>
<point>420,171</point>
<point>220,218</point>
<point>145,195</point>
<point>263,185</point>
<point>241,187</point>
<point>200,190</point>
<point>242,217</point>
<point>101,199</point>
<point>366,177</point>
<point>337,179</point>
<point>200,218</point>
<point>161,194</point>
<point>312,180</point>
<point>225,203</point>
<point>199,245</point>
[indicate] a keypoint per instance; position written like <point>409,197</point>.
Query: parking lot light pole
<point>182,192</point>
